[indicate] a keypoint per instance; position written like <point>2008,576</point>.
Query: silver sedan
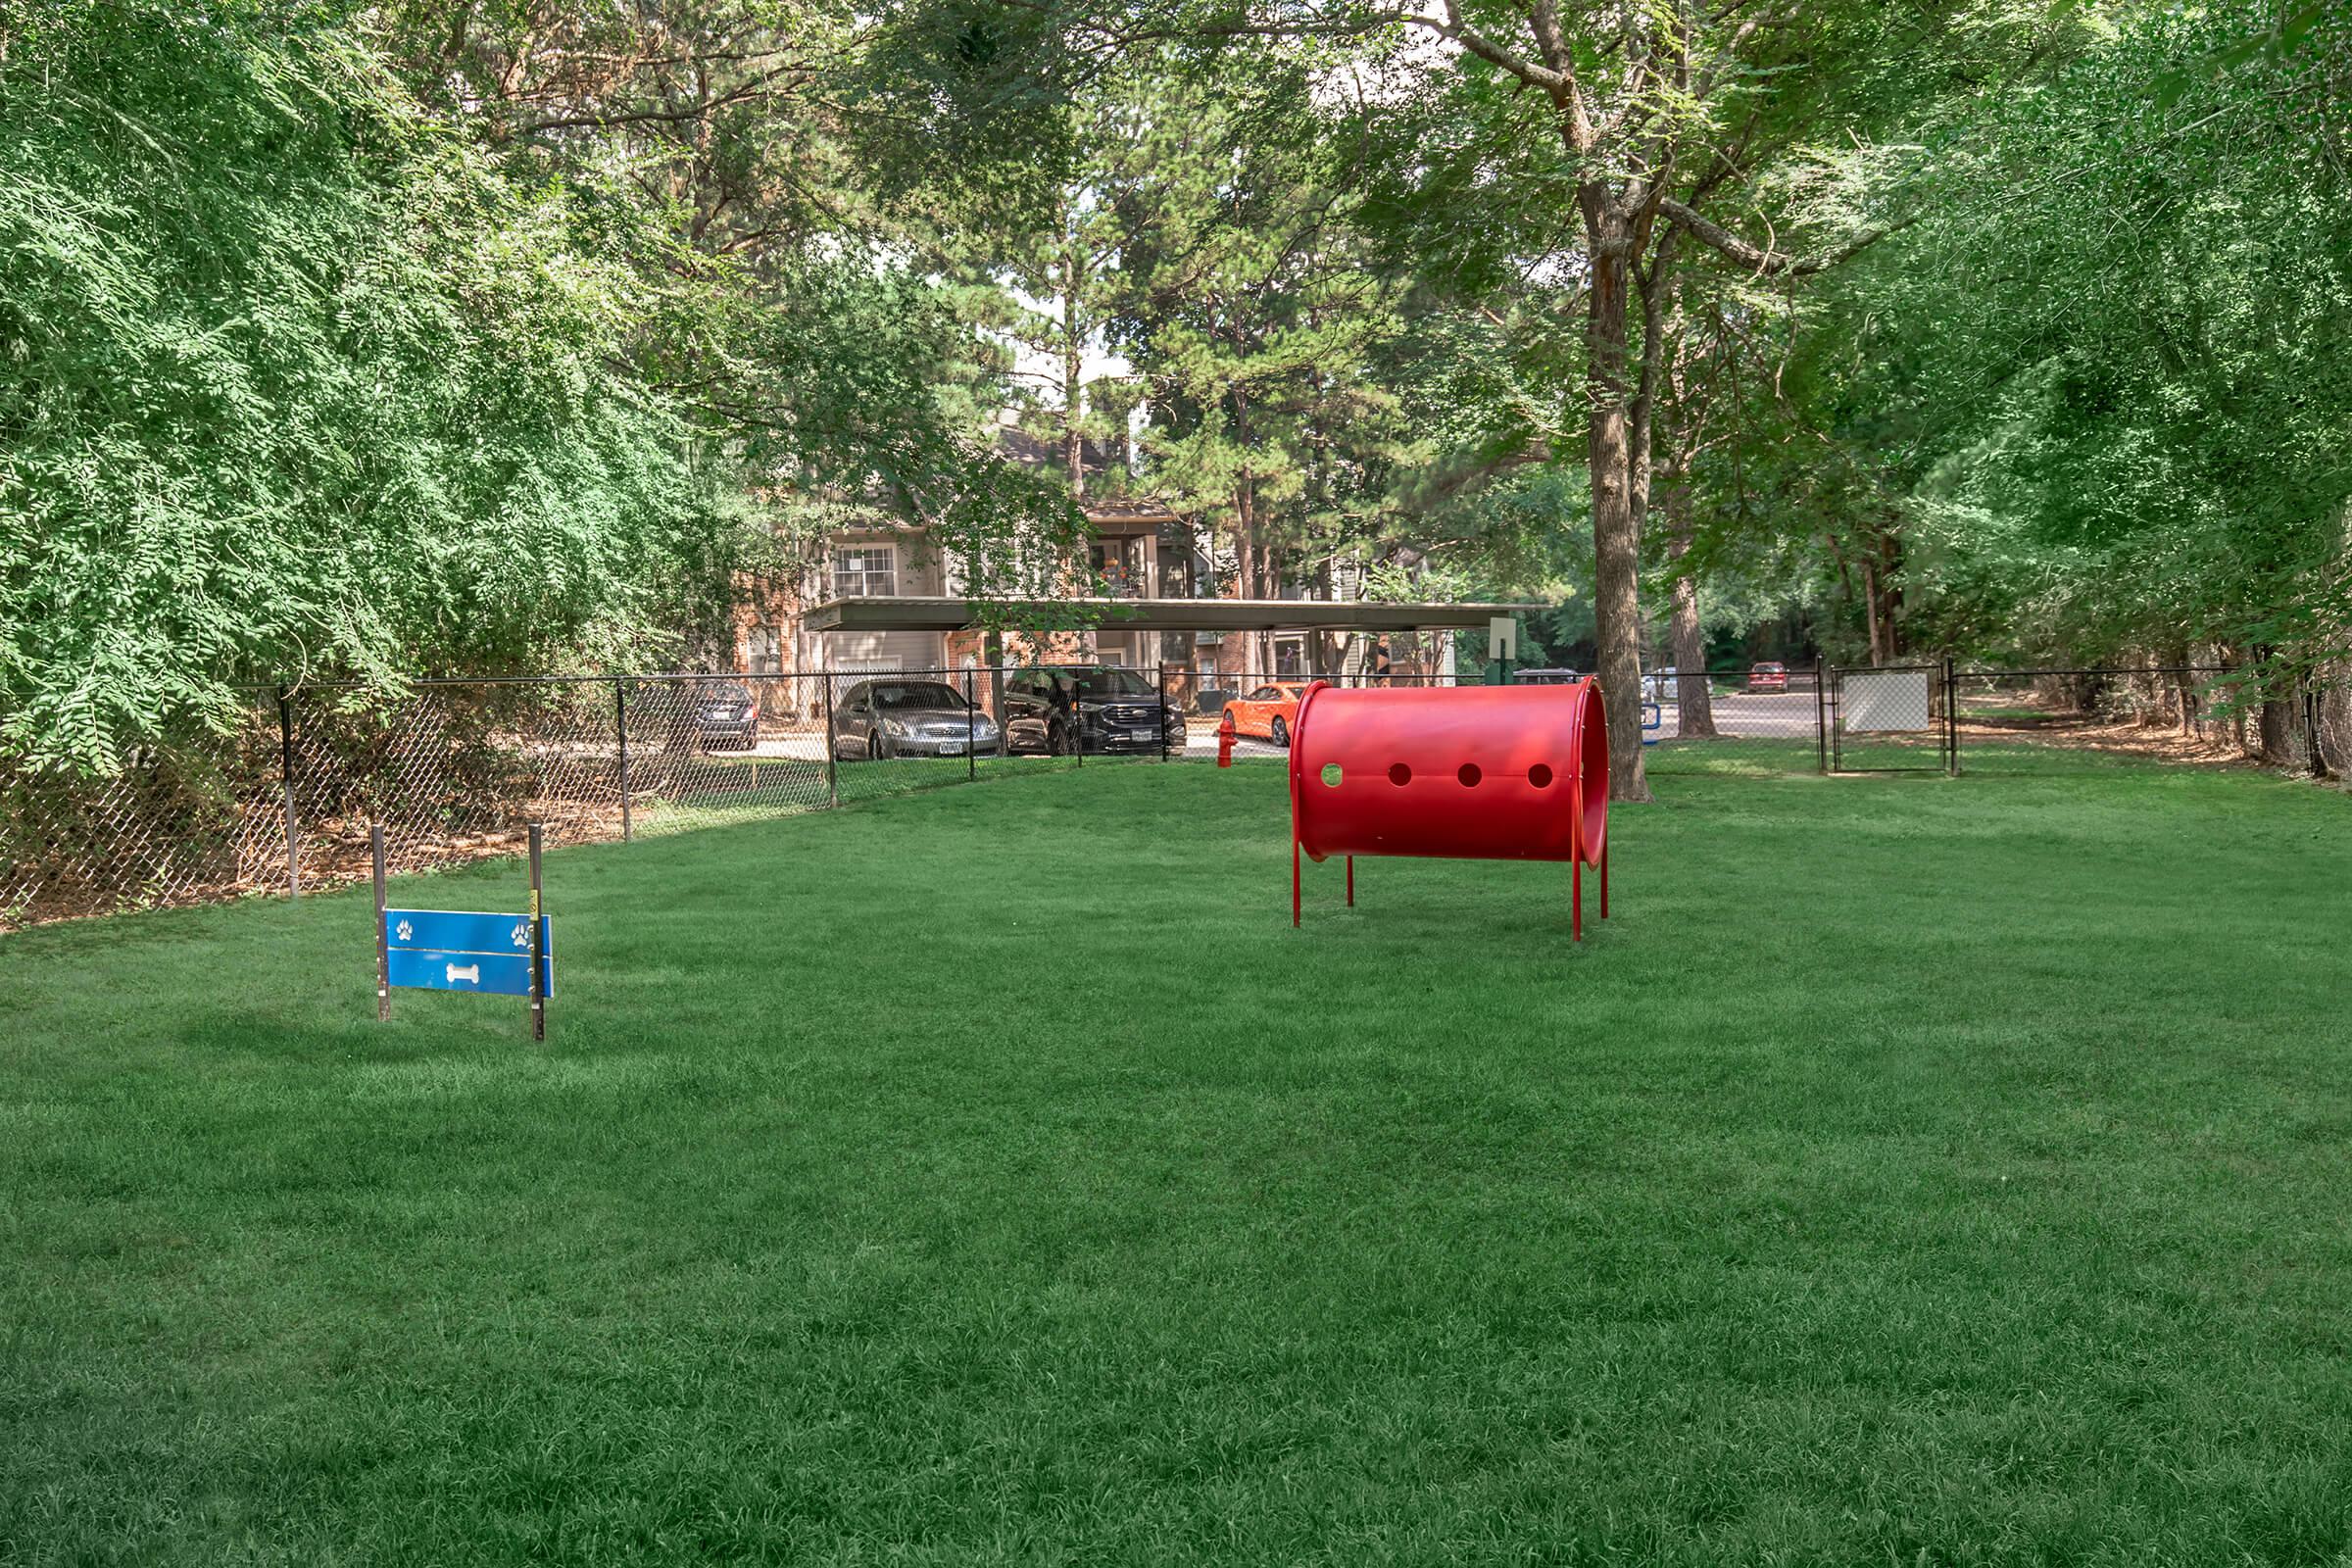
<point>889,717</point>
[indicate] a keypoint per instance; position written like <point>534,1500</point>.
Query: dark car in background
<point>695,713</point>
<point>1546,677</point>
<point>891,718</point>
<point>1063,710</point>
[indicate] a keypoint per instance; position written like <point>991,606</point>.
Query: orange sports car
<point>1267,712</point>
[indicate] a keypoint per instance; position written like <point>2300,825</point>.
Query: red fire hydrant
<point>1225,739</point>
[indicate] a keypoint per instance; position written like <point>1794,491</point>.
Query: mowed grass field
<point>1914,1171</point>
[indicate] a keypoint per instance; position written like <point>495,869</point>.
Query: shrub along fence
<point>282,800</point>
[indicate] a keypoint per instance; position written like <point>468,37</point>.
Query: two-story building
<point>884,597</point>
<point>1138,549</point>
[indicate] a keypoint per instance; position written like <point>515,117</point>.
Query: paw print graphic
<point>522,933</point>
<point>405,930</point>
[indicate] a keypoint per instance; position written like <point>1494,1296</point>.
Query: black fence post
<point>1821,715</point>
<point>285,778</point>
<point>1163,713</point>
<point>971,732</point>
<point>620,726</point>
<point>1951,721</point>
<point>832,754</point>
<point>1833,720</point>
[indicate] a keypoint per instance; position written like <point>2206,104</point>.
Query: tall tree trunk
<point>1883,593</point>
<point>1878,602</point>
<point>1073,364</point>
<point>1269,570</point>
<point>1326,644</point>
<point>2281,717</point>
<point>1249,570</point>
<point>1693,701</point>
<point>1255,563</point>
<point>2335,720</point>
<point>1616,534</point>
<point>1694,712</point>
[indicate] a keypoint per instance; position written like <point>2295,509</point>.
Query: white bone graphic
<point>471,973</point>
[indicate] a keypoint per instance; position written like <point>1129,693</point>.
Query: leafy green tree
<point>299,386</point>
<point>1580,149</point>
<point>348,341</point>
<point>2094,408</point>
<point>799,165</point>
<point>1258,333</point>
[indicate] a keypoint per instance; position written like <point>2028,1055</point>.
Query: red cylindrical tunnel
<point>1474,773</point>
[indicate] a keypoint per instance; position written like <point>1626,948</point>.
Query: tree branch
<point>1454,29</point>
<point>1766,258</point>
<point>1546,21</point>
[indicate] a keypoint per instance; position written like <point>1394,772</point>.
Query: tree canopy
<point>363,341</point>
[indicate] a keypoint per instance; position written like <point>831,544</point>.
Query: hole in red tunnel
<point>1469,775</point>
<point>1538,775</point>
<point>1400,774</point>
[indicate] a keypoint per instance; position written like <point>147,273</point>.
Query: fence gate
<point>1894,718</point>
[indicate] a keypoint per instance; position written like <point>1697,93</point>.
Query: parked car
<point>887,717</point>
<point>693,714</point>
<point>1768,677</point>
<point>1268,712</point>
<point>1545,677</point>
<point>1061,710</point>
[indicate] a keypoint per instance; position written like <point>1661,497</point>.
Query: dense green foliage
<point>1437,1240</point>
<point>355,341</point>
<point>2141,307</point>
<point>2095,404</point>
<point>297,383</point>
<point>311,379</point>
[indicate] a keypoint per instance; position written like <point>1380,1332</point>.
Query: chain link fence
<point>191,812</point>
<point>2041,720</point>
<point>1754,719</point>
<point>281,800</point>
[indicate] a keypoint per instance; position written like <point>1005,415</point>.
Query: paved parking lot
<point>1738,715</point>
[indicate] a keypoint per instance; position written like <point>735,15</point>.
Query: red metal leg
<point>1576,897</point>
<point>1294,881</point>
<point>1352,881</point>
<point>1604,879</point>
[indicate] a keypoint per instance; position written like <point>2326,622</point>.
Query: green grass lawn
<point>1915,1171</point>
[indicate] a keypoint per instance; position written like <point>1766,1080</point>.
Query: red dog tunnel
<point>1461,772</point>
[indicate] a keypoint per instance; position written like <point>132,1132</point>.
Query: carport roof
<point>916,613</point>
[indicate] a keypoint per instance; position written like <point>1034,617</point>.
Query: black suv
<point>1063,710</point>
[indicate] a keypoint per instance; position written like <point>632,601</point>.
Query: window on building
<point>862,571</point>
<point>763,650</point>
<point>1119,563</point>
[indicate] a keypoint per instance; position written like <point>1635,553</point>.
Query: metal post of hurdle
<point>538,946</point>
<point>384,955</point>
